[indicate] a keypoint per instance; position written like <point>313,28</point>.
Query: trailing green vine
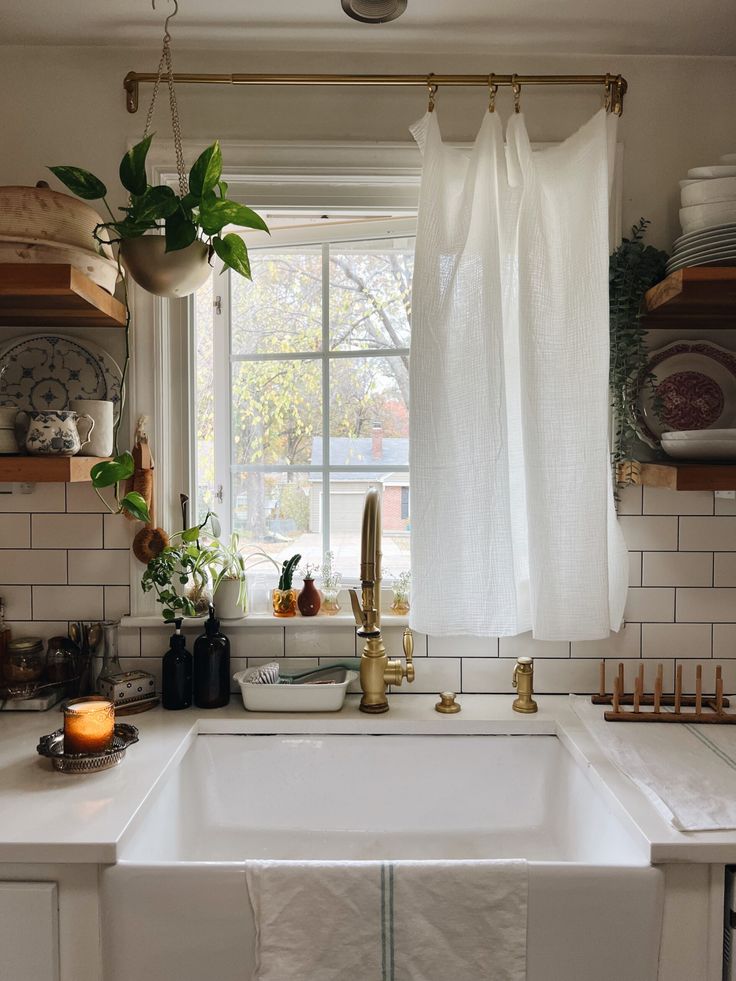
<point>634,268</point>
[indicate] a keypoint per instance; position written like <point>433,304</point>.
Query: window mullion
<point>325,398</point>
<point>222,381</point>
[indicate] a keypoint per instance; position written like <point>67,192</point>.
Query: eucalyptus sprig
<point>202,213</point>
<point>633,269</point>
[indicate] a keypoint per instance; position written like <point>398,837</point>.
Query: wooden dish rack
<point>700,708</point>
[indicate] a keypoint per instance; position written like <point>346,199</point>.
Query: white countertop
<point>46,816</point>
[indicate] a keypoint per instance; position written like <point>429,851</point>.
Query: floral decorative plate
<point>696,383</point>
<point>46,371</point>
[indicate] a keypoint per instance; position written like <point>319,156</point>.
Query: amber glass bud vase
<point>284,602</point>
<point>309,600</point>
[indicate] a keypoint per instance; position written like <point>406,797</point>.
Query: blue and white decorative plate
<point>46,371</point>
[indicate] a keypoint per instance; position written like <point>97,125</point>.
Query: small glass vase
<point>111,665</point>
<point>284,602</point>
<point>400,605</point>
<point>330,602</point>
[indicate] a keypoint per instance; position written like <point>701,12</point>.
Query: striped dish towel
<point>389,921</point>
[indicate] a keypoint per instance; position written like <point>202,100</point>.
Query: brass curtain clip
<point>517,93</point>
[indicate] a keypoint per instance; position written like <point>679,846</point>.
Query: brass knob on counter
<point>523,681</point>
<point>447,704</point>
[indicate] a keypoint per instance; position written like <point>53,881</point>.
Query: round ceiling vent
<point>374,11</point>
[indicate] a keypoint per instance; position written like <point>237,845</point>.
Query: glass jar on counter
<point>23,664</point>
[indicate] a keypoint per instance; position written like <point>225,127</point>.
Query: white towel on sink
<point>389,921</point>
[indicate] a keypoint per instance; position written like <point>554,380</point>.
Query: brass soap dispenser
<point>523,681</point>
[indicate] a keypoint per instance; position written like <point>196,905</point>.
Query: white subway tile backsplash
<point>81,498</point>
<point>15,531</point>
<point>724,571</point>
<point>118,531</point>
<point>26,566</point>
<point>678,640</point>
<point>434,675</point>
<point>312,642</point>
<point>117,602</point>
<point>66,531</point>
<point>706,605</point>
<point>724,640</point>
<point>99,567</point>
<point>462,646</point>
<point>38,628</point>
<point>650,533</point>
<point>650,603</point>
<point>635,559</point>
<point>263,642</point>
<point>677,569</point>
<point>630,500</point>
<point>68,603</point>
<point>631,671</point>
<point>708,534</point>
<point>728,670</point>
<point>661,500</point>
<point>625,643</point>
<point>17,600</point>
<point>42,497</point>
<point>524,645</point>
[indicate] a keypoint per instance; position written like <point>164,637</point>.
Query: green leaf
<point>223,186</point>
<point>180,231</point>
<point>205,174</point>
<point>231,249</point>
<point>111,472</point>
<point>80,182</point>
<point>135,504</point>
<point>214,215</point>
<point>157,202</point>
<point>191,534</point>
<point>133,167</point>
<point>129,228</point>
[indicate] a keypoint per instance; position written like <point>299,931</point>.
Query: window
<point>302,393</point>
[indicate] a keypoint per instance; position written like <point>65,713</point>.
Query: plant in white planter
<point>178,262</point>
<point>229,568</point>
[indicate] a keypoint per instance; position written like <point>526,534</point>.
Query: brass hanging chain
<point>166,63</point>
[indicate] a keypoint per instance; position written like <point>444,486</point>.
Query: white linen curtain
<point>513,520</point>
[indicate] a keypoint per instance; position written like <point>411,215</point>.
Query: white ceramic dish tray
<point>328,697</point>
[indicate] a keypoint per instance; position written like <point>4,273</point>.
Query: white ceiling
<point>704,27</point>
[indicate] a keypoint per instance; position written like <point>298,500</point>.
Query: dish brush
<point>270,674</point>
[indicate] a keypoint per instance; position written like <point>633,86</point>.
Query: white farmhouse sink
<point>177,905</point>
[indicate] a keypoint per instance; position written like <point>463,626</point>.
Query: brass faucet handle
<point>408,645</point>
<point>357,609</point>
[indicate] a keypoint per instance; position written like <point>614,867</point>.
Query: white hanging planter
<point>168,274</point>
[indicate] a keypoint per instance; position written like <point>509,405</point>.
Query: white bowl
<point>296,697</point>
<point>704,192</point>
<point>38,214</point>
<point>697,216</point>
<point>701,444</point>
<point>699,173</point>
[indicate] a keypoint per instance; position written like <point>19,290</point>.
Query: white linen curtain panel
<point>513,519</point>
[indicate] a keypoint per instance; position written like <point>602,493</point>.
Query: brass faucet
<point>377,672</point>
<point>523,682</point>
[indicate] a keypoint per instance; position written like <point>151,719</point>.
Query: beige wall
<point>65,105</point>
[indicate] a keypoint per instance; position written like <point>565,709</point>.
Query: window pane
<point>281,309</point>
<point>369,410</point>
<point>276,411</point>
<point>204,399</point>
<point>347,496</point>
<point>370,294</point>
<point>279,512</point>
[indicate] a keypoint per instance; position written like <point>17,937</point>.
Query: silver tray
<point>52,747</point>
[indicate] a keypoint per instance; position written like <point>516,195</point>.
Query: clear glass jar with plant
<point>331,584</point>
<point>285,596</point>
<point>180,574</point>
<point>401,588</point>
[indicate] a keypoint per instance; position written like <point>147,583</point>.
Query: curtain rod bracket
<point>130,84</point>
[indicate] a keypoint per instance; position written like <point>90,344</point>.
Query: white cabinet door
<point>29,931</point>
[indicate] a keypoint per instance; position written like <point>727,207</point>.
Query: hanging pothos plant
<point>200,214</point>
<point>634,268</point>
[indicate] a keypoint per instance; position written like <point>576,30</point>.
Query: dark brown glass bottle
<point>176,673</point>
<point>211,666</point>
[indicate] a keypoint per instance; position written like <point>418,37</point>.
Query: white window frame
<point>224,359</point>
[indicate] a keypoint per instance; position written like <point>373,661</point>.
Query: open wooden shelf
<point>46,469</point>
<point>684,476</point>
<point>701,297</point>
<point>54,295</point>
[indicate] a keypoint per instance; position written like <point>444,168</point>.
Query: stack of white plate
<point>708,217</point>
<point>701,444</point>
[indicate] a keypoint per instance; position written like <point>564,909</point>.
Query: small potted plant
<point>180,573</point>
<point>229,569</point>
<point>331,583</point>
<point>176,263</point>
<point>400,588</point>
<point>309,600</point>
<point>284,596</point>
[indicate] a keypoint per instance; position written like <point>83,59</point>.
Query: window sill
<point>268,620</point>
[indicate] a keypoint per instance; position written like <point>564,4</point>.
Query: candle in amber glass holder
<point>89,725</point>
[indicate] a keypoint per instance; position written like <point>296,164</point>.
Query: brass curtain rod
<point>615,85</point>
